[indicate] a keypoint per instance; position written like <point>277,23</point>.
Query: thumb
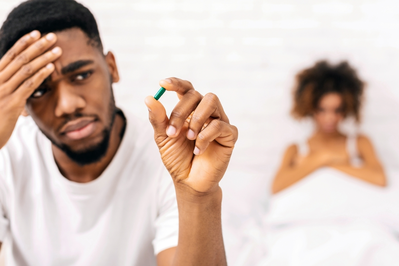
<point>157,116</point>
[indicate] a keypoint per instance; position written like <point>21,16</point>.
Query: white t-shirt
<point>124,217</point>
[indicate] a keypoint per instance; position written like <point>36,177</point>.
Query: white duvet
<point>330,218</point>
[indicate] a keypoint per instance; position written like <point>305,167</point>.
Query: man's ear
<point>113,69</point>
<point>24,112</point>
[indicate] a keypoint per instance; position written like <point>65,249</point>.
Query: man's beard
<point>93,153</point>
<point>89,155</point>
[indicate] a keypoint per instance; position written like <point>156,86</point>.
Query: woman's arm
<point>371,171</point>
<point>289,172</point>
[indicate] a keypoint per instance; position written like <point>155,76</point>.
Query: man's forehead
<point>76,46</point>
<point>75,42</point>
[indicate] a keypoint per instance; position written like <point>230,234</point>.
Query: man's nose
<point>68,101</point>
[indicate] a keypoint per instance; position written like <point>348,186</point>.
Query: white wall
<point>247,52</point>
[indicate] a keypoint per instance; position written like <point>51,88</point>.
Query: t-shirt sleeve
<point>167,221</point>
<point>4,224</point>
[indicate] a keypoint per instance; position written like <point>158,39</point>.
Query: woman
<point>328,94</point>
<point>330,205</point>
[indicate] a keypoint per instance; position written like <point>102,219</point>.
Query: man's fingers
<point>30,85</point>
<point>31,68</point>
<point>158,118</point>
<point>182,111</point>
<point>177,85</point>
<point>33,51</point>
<point>209,108</point>
<point>17,48</point>
<point>198,111</point>
<point>219,131</point>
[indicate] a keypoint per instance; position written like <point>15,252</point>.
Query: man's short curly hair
<point>47,16</point>
<point>322,78</point>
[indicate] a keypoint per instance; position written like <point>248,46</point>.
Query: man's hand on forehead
<point>22,69</point>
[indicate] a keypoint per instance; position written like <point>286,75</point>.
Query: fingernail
<point>171,131</point>
<point>56,50</point>
<point>50,66</point>
<point>34,34</point>
<point>50,36</point>
<point>168,81</point>
<point>190,134</point>
<point>196,151</point>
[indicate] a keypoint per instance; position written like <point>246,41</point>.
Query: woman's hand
<point>330,157</point>
<point>197,141</point>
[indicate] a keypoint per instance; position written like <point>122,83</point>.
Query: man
<point>81,182</point>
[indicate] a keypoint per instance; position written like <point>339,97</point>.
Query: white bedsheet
<point>328,194</point>
<point>328,218</point>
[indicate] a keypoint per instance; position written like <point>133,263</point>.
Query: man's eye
<point>83,76</point>
<point>39,93</point>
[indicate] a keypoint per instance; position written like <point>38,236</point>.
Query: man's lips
<point>79,128</point>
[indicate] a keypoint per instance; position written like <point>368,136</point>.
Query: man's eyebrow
<point>75,66</point>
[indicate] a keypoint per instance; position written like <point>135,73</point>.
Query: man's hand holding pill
<point>195,143</point>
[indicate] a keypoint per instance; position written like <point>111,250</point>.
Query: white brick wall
<point>248,52</point>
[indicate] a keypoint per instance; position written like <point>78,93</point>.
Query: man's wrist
<point>186,194</point>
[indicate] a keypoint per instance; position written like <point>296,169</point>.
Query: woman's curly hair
<point>313,83</point>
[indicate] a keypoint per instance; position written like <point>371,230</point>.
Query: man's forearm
<point>200,229</point>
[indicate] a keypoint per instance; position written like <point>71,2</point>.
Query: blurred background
<point>248,52</point>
